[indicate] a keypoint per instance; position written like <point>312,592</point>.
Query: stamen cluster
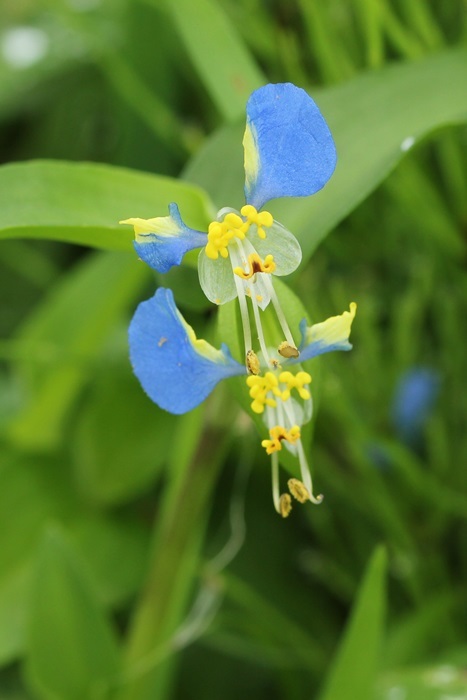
<point>270,387</point>
<point>221,233</point>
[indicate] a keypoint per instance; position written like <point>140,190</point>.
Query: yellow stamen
<point>262,219</point>
<point>295,381</point>
<point>260,387</point>
<point>285,505</point>
<point>287,350</point>
<point>252,362</point>
<point>278,433</point>
<point>220,233</point>
<point>255,264</point>
<point>298,490</point>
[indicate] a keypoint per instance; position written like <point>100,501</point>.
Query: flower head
<point>289,152</point>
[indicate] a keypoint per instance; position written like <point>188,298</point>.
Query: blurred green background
<point>140,556</point>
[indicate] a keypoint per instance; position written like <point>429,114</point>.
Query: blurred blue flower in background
<point>414,399</point>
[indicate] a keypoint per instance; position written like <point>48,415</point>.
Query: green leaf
<point>373,119</point>
<point>14,592</point>
<point>72,650</point>
<point>63,338</point>
<point>122,439</point>
<point>225,67</point>
<point>353,673</point>
<point>33,493</point>
<point>83,202</point>
<point>197,455</point>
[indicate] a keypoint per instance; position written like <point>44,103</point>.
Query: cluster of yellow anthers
<point>255,264</point>
<point>295,381</point>
<point>299,491</point>
<point>278,433</point>
<point>220,233</point>
<point>261,386</point>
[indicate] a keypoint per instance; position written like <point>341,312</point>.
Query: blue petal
<point>289,150</point>
<point>332,334</point>
<point>176,370</point>
<point>162,242</point>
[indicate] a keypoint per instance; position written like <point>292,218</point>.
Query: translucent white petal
<point>216,278</point>
<point>258,287</point>
<point>280,243</point>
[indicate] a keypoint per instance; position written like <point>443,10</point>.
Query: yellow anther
<point>285,505</point>
<point>295,381</point>
<point>255,264</point>
<point>298,490</point>
<point>278,434</point>
<point>252,362</point>
<point>260,387</point>
<point>262,219</point>
<point>287,350</point>
<point>220,233</point>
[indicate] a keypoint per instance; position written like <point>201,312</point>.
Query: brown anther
<point>298,490</point>
<point>287,350</point>
<point>285,505</point>
<point>252,362</point>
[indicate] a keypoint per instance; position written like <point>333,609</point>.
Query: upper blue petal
<point>289,150</point>
<point>162,250</point>
<point>176,371</point>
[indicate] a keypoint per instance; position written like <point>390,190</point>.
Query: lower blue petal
<point>175,370</point>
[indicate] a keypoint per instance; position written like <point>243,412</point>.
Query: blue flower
<point>289,152</point>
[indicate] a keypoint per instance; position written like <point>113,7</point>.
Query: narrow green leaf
<point>72,651</point>
<point>225,67</point>
<point>83,202</point>
<point>353,673</point>
<point>14,592</point>
<point>178,536</point>
<point>374,119</point>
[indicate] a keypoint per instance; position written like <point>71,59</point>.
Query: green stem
<point>178,536</point>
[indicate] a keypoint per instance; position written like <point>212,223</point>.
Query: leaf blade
<point>73,629</point>
<point>353,674</point>
<point>83,202</point>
